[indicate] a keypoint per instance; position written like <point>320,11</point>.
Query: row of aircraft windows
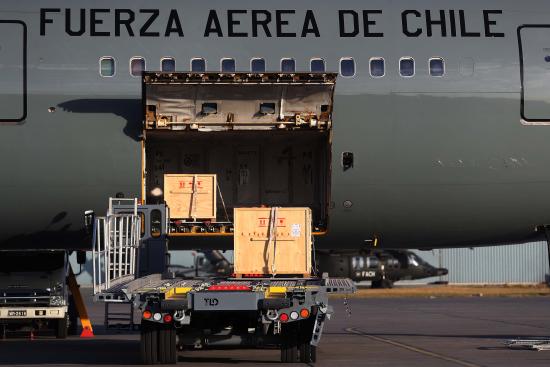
<point>377,66</point>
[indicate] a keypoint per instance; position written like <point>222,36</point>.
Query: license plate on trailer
<point>18,313</point>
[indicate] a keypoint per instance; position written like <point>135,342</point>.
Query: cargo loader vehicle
<point>285,311</point>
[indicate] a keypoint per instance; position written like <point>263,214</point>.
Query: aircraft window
<point>406,67</point>
<point>142,224</point>
<point>437,66</point>
<point>392,263</point>
<point>198,65</point>
<point>358,262</point>
<point>412,260</point>
<point>419,260</point>
<point>377,67</point>
<point>156,223</point>
<point>168,64</point>
<point>317,65</point>
<point>372,262</point>
<point>107,66</point>
<point>347,67</point>
<point>257,65</point>
<point>288,65</point>
<point>228,65</point>
<point>137,66</point>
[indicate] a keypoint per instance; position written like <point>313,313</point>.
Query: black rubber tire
<point>73,317</point>
<point>308,353</point>
<point>386,284</point>
<point>61,330</point>
<point>167,345</point>
<point>149,343</point>
<point>289,346</point>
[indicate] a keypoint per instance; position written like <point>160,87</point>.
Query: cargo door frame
<point>18,121</point>
<point>326,78</point>
<point>525,120</point>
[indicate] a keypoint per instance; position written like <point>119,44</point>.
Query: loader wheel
<point>167,345</point>
<point>149,342</point>
<point>308,353</point>
<point>61,329</point>
<point>289,347</point>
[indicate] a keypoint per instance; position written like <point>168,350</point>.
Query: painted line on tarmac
<point>412,349</point>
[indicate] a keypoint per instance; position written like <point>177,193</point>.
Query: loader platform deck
<point>175,287</point>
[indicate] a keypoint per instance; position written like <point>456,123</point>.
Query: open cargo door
<point>266,138</point>
<point>184,101</point>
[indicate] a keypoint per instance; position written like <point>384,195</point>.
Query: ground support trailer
<point>178,313</point>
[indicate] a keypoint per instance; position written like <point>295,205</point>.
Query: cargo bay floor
<point>379,332</point>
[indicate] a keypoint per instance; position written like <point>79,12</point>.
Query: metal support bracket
<point>319,325</point>
<point>87,330</point>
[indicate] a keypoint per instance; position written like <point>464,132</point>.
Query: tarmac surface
<point>379,332</point>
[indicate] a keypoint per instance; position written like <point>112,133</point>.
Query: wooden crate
<point>288,251</point>
<point>191,196</point>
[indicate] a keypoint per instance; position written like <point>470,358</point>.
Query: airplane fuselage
<point>439,161</point>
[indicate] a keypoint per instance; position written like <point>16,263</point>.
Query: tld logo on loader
<point>211,301</point>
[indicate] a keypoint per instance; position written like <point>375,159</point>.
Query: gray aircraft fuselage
<point>458,160</point>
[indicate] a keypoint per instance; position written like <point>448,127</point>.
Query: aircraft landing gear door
<point>13,72</point>
<point>534,43</point>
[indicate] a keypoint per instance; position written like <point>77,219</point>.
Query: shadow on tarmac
<point>453,336</point>
<point>102,350</point>
<point>71,351</point>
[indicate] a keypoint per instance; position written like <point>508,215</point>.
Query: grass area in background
<point>455,291</point>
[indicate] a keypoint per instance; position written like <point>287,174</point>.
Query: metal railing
<point>116,240</point>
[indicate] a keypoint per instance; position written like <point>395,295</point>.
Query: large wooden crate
<point>261,247</point>
<point>191,196</point>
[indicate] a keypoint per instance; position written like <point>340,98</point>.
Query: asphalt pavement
<point>378,332</point>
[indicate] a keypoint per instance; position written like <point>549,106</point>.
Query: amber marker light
<point>147,314</point>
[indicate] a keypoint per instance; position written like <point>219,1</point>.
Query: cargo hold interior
<point>267,138</point>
